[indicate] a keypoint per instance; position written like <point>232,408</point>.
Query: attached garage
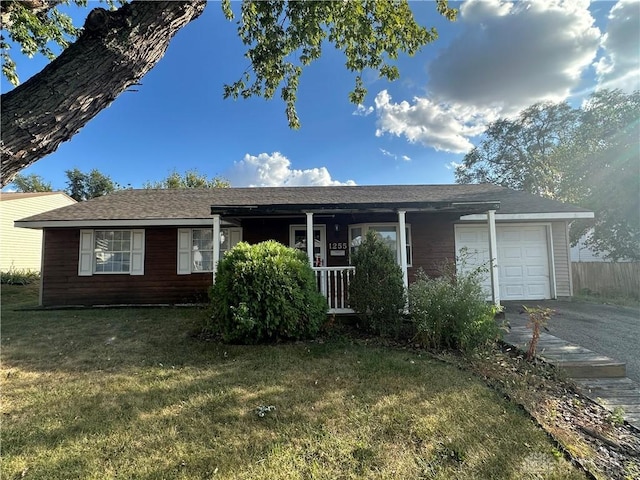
<point>524,253</point>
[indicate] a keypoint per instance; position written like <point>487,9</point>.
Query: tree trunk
<point>114,52</point>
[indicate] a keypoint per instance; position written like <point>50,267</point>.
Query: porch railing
<point>333,283</point>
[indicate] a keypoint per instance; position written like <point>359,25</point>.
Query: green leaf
<point>282,37</point>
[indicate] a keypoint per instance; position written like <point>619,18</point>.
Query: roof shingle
<point>150,204</point>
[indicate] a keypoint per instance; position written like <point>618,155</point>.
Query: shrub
<point>265,292</point>
<point>16,276</point>
<point>376,292</point>
<point>538,318</point>
<point>450,311</point>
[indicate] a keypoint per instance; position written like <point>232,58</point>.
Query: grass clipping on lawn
<point>130,393</point>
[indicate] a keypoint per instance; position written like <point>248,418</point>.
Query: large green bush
<point>265,292</point>
<point>450,311</point>
<point>376,291</point>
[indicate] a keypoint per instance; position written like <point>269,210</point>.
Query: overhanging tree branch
<point>36,7</point>
<point>116,49</point>
<point>114,52</point>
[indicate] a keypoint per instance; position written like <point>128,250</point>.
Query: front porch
<point>420,234</point>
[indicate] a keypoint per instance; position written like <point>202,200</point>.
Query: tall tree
<point>588,156</point>
<point>31,183</point>
<point>117,48</point>
<point>518,153</point>
<point>190,179</point>
<point>602,173</point>
<point>85,186</point>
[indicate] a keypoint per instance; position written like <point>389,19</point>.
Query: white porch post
<point>403,247</point>
<point>493,255</point>
<point>310,238</point>
<point>216,244</point>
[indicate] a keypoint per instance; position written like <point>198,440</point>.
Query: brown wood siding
<point>339,235</point>
<point>433,242</point>
<point>256,230</point>
<point>160,283</point>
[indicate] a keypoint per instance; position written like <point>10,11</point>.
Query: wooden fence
<point>607,278</point>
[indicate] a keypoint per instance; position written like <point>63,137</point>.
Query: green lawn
<point>130,393</point>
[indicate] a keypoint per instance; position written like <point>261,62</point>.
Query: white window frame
<point>185,260</point>
<point>365,227</point>
<point>87,252</point>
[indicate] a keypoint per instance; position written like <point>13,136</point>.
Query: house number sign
<point>338,249</point>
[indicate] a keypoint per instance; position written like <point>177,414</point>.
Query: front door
<point>298,239</point>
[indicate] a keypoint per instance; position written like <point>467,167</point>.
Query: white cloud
<point>387,153</point>
<point>362,111</point>
<point>479,11</point>
<point>508,56</point>
<point>443,127</point>
<point>511,55</point>
<point>620,66</point>
<point>275,170</point>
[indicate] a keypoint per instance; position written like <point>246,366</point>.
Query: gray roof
<point>185,204</point>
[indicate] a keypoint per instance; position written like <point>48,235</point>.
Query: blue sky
<point>496,59</point>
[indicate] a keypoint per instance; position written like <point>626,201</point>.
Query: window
<point>389,237</point>
<point>111,251</point>
<point>355,239</point>
<point>202,250</point>
<point>195,248</point>
<point>388,232</point>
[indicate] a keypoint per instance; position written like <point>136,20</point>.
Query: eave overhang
<point>115,223</point>
<point>337,208</point>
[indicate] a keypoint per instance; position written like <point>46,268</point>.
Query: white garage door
<point>523,258</point>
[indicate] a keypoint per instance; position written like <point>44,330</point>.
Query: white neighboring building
<point>580,252</point>
<point>21,248</point>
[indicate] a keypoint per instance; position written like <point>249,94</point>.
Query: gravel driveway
<point>611,330</point>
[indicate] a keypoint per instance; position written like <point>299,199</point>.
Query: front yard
<point>132,393</point>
